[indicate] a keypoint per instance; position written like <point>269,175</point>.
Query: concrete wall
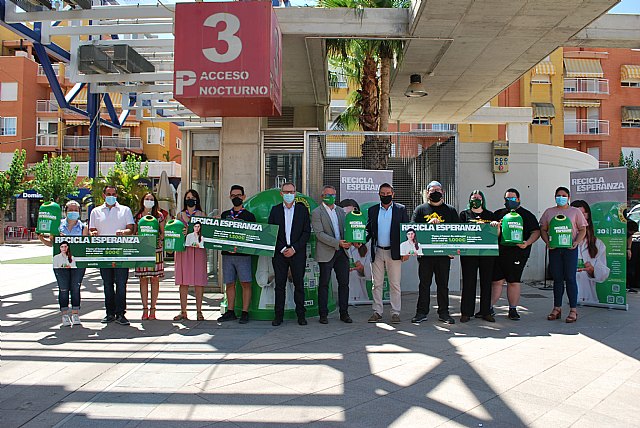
<point>535,170</point>
<point>240,156</point>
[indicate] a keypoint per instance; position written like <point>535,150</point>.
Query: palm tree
<point>368,62</point>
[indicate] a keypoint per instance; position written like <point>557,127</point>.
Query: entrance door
<point>205,179</point>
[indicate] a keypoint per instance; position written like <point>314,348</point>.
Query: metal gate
<point>416,158</point>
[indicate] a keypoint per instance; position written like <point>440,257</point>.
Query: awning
<point>543,110</point>
<point>581,103</point>
<point>580,67</point>
<point>81,98</point>
<point>76,122</point>
<point>545,67</point>
<point>630,73</point>
<point>631,114</point>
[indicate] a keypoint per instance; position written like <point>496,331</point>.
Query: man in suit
<point>383,228</point>
<point>331,253</point>
<point>294,230</point>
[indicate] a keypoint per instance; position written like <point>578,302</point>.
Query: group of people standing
<point>333,253</point>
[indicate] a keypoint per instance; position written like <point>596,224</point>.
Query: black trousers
<point>281,267</point>
<point>340,264</point>
<point>428,266</point>
<point>115,299</point>
<point>470,266</point>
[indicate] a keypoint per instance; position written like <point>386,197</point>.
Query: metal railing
<point>47,140</point>
<point>82,142</point>
<point>443,127</point>
<point>586,127</point>
<point>75,142</point>
<point>46,106</point>
<point>586,86</point>
<point>605,164</point>
<point>56,70</point>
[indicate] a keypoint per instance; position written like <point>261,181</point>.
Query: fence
<point>416,158</point>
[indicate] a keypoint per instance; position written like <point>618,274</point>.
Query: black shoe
<point>120,319</point>
<point>632,290</point>
<point>346,318</point>
<point>464,318</point>
<point>418,318</point>
<point>513,314</point>
<point>489,318</point>
<point>276,322</point>
<point>244,318</point>
<point>228,316</point>
<point>446,318</point>
<point>479,314</point>
<point>108,319</point>
<point>302,321</point>
<point>323,320</point>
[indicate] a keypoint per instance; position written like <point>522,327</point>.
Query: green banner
<point>104,251</point>
<point>232,235</point>
<point>448,239</point>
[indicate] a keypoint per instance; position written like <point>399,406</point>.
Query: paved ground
<point>163,373</point>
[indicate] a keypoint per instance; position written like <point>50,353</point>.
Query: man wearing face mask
<point>331,253</point>
<point>511,260</point>
<point>111,218</point>
<point>383,229</point>
<point>294,230</point>
<point>237,266</point>
<point>434,211</point>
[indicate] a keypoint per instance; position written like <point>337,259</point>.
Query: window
<point>178,143</point>
<point>9,91</point>
<point>155,136</point>
<point>541,121</point>
<point>8,125</point>
<point>540,78</point>
<point>336,149</point>
<point>631,84</point>
<point>631,124</point>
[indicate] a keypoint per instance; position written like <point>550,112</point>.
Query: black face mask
<point>236,201</point>
<point>386,200</point>
<point>435,196</point>
<point>191,202</point>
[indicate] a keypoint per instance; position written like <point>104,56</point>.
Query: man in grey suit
<point>331,253</point>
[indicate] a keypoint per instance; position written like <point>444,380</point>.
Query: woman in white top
<point>593,253</point>
<point>410,247</point>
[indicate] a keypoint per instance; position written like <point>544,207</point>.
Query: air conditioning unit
<point>92,60</point>
<point>130,61</point>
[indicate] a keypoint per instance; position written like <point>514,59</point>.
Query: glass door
<point>205,179</point>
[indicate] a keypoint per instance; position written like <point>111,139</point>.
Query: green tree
<point>633,173</point>
<point>130,178</point>
<point>54,178</point>
<point>11,183</point>
<point>369,63</point>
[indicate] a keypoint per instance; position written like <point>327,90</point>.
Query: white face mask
<point>148,204</point>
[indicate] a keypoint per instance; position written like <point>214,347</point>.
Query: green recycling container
<point>49,217</point>
<point>173,237</point>
<point>355,225</point>
<point>560,232</point>
<point>512,229</point>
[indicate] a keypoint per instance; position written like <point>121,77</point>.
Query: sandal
<point>181,316</point>
<point>145,314</point>
<point>152,313</point>
<point>555,314</point>
<point>573,316</point>
<point>200,316</point>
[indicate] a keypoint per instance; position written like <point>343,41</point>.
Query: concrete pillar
<point>240,156</point>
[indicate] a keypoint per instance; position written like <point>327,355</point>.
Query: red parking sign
<point>228,59</point>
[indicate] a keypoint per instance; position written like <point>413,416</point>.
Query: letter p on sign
<point>184,78</point>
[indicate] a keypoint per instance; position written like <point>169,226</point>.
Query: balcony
<point>82,142</point>
<point>47,141</point>
<point>56,70</point>
<point>586,86</point>
<point>437,127</point>
<point>586,127</point>
<point>46,106</point>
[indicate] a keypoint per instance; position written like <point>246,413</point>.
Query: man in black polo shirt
<point>511,261</point>
<point>434,211</point>
<point>237,266</point>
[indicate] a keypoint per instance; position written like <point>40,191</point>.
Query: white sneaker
<point>75,319</point>
<point>66,321</point>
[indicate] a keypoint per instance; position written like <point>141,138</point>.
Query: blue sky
<point>627,6</point>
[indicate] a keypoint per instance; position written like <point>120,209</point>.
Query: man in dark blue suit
<point>383,229</point>
<point>294,229</point>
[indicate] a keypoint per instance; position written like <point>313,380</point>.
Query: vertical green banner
<point>603,281</point>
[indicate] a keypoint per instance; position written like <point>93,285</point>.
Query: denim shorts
<point>236,267</point>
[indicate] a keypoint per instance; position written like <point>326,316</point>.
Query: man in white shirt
<point>111,219</point>
<point>331,253</point>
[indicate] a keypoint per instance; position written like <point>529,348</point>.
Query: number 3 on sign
<point>228,35</point>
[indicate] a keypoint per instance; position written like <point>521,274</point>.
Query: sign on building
<point>228,59</point>
<point>362,185</point>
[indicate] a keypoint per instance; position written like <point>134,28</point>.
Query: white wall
<point>536,170</point>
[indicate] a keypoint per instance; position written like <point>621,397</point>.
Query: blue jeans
<point>115,301</point>
<point>563,264</point>
<point>69,281</point>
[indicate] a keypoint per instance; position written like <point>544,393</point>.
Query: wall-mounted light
<point>415,88</point>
